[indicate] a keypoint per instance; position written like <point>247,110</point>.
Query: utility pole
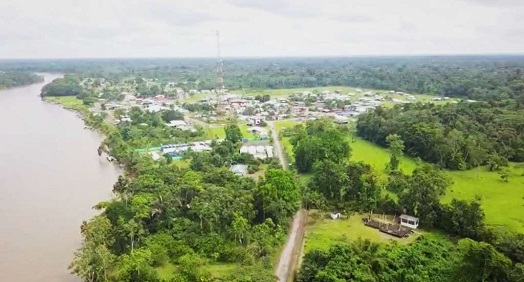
<point>219,72</point>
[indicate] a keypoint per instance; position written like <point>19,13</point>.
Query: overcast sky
<point>180,28</point>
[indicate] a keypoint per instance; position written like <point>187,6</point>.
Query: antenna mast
<point>219,72</point>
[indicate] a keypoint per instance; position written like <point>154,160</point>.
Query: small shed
<point>409,221</point>
<point>239,169</point>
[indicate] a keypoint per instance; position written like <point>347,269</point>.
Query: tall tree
<point>278,194</point>
<point>481,262</point>
<point>463,218</point>
<point>396,148</point>
<point>426,186</point>
<point>233,133</point>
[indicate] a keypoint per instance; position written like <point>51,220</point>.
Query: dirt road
<point>289,256</point>
<point>278,146</point>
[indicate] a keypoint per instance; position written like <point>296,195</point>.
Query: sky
<point>258,28</point>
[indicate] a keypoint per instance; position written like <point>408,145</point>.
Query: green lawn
<point>68,102</point>
<point>217,131</point>
<point>376,156</point>
<point>196,98</point>
<point>502,202</point>
<point>213,132</point>
<point>322,232</point>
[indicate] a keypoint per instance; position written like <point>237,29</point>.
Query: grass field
<point>377,157</point>
<point>196,98</point>
<point>322,232</point>
<point>68,102</point>
<point>217,132</point>
<point>503,203</point>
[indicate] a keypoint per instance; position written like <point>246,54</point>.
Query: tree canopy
<point>319,140</point>
<point>69,85</point>
<point>18,78</point>
<point>455,136</point>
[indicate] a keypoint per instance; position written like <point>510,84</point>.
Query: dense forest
<point>69,85</point>
<point>474,77</point>
<point>18,78</point>
<point>455,136</point>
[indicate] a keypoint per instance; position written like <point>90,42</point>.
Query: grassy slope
<point>503,202</point>
<point>497,196</point>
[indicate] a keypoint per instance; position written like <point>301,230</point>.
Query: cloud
<point>297,8</point>
<point>498,3</point>
<point>186,28</point>
<point>352,18</point>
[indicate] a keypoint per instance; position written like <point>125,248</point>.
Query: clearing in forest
<point>503,202</point>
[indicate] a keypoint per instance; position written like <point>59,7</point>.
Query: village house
<point>258,151</point>
<point>409,221</point>
<point>258,131</point>
<point>239,169</point>
<point>299,111</point>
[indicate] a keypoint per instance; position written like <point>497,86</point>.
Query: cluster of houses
<point>177,150</point>
<point>303,105</point>
<point>258,151</point>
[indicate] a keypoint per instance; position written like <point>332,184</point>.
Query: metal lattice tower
<point>219,72</point>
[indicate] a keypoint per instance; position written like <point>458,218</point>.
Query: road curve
<point>289,256</point>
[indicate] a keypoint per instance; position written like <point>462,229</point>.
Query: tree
<point>170,115</point>
<point>69,85</point>
<point>278,195</point>
<point>510,244</point>
<point>233,133</point>
<point>330,180</point>
<point>426,186</point>
<point>481,262</point>
<point>516,274</point>
<point>396,146</point>
<point>340,263</point>
<point>321,140</point>
<point>94,261</point>
<point>465,219</point>
<point>136,267</point>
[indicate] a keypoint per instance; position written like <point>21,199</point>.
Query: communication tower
<point>219,72</point>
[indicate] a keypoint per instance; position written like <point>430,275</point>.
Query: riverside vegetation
<point>10,79</point>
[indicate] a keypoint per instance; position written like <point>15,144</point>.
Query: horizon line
<point>275,56</point>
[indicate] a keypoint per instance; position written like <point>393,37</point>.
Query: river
<point>50,178</point>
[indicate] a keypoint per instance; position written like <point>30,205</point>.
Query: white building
<point>409,221</point>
